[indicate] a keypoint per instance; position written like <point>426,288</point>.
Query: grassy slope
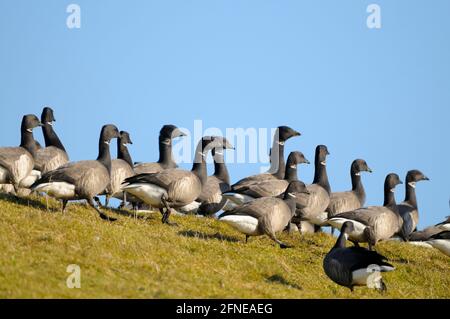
<point>202,258</point>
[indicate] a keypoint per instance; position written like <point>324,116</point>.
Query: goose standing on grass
<point>277,162</point>
<point>174,188</point>
<point>374,223</point>
<point>166,136</point>
<point>347,201</point>
<point>54,154</point>
<point>211,198</point>
<point>270,187</point>
<point>312,209</point>
<point>84,179</point>
<point>121,169</point>
<point>267,215</point>
<point>408,208</point>
<point>17,163</point>
<point>355,266</point>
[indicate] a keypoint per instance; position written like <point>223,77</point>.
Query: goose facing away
<point>355,266</point>
<point>312,209</point>
<point>408,208</point>
<point>375,223</point>
<point>427,233</point>
<point>121,168</point>
<point>174,188</point>
<point>269,187</point>
<point>16,163</point>
<point>54,154</point>
<point>84,179</point>
<point>267,215</point>
<point>445,225</point>
<point>166,136</point>
<point>277,162</point>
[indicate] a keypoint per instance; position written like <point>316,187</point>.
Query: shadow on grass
<point>200,235</point>
<point>26,201</point>
<point>278,279</point>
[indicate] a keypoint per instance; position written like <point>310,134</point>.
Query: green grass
<point>202,258</point>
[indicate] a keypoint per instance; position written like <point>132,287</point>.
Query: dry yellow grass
<point>202,258</point>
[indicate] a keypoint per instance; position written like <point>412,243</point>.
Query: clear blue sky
<point>382,95</point>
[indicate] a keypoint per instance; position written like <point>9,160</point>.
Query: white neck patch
<point>107,142</point>
<point>200,153</point>
<point>166,141</point>
<point>29,130</point>
<point>412,184</point>
<point>324,163</point>
<point>124,144</point>
<point>358,174</point>
<point>280,143</point>
<point>392,190</point>
<point>293,166</point>
<point>50,123</point>
<point>292,195</point>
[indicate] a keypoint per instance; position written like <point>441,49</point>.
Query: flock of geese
<point>262,204</point>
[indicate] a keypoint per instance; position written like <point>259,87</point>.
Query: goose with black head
<point>82,180</point>
<point>17,163</point>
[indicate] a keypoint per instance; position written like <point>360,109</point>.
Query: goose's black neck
<point>341,241</point>
<point>291,172</point>
<point>357,186</point>
<point>389,199</point>
<point>220,168</point>
<point>199,166</point>
<point>277,162</point>
<point>291,202</point>
<point>321,176</point>
<point>123,153</point>
<point>411,195</point>
<point>27,141</point>
<point>104,154</point>
<point>165,151</point>
<point>51,138</point>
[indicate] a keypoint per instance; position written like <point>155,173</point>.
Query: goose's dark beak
<point>369,170</point>
<point>297,133</point>
<point>307,162</point>
<point>425,178</point>
<point>40,124</point>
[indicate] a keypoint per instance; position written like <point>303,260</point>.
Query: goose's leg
<point>383,288</point>
<point>166,215</point>
<point>102,215</point>
<point>46,201</point>
<point>107,201</point>
<point>279,242</point>
<point>97,200</point>
<point>332,231</point>
<point>246,238</point>
<point>64,204</point>
<point>355,243</point>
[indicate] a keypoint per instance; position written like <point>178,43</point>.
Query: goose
<point>427,233</point>
<point>445,225</point>
<point>347,201</point>
<point>266,215</point>
<point>166,135</point>
<point>277,162</point>
<point>84,179</point>
<point>408,208</point>
<point>54,154</point>
<point>375,223</point>
<point>355,266</point>
<point>211,198</point>
<point>174,188</point>
<point>270,187</point>
<point>121,168</point>
<point>16,163</point>
<point>312,208</point>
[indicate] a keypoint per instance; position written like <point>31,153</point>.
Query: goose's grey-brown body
<point>277,162</point>
<point>267,215</point>
<point>17,163</point>
<point>268,187</point>
<point>54,154</point>
<point>375,223</point>
<point>312,208</point>
<point>341,202</point>
<point>355,266</point>
<point>174,188</point>
<point>408,209</point>
<point>166,135</point>
<point>84,179</point>
<point>211,197</point>
<point>121,168</point>
<point>441,241</point>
